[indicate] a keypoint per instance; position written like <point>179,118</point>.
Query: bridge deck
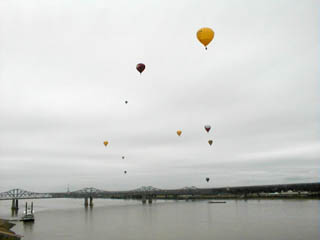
<point>85,192</point>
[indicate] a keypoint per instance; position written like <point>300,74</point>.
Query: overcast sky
<point>67,67</point>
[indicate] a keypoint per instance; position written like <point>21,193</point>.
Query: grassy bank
<point>5,232</point>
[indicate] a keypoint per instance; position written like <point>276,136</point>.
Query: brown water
<point>59,219</point>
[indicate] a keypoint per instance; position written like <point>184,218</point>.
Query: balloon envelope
<point>125,172</point>
<point>207,128</point>
<point>179,132</point>
<point>140,67</point>
<point>210,142</point>
<point>105,143</point>
<point>205,36</point>
<point>207,179</point>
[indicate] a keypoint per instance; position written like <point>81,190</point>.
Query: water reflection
<point>14,212</point>
<point>88,213</point>
<point>209,215</point>
<point>28,227</point>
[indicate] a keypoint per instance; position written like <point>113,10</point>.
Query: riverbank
<point>5,232</point>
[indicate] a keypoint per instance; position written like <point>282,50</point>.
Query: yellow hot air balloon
<point>205,36</point>
<point>179,132</point>
<point>105,143</point>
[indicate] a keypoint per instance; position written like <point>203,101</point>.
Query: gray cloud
<point>66,69</point>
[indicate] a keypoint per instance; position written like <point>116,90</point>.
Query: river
<point>67,219</point>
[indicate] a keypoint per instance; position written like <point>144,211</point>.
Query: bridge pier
<point>86,202</point>
<point>91,201</point>
<point>144,200</point>
<point>15,204</point>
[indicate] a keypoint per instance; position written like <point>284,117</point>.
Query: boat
<point>217,202</point>
<point>28,214</point>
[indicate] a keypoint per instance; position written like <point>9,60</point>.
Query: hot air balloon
<point>207,128</point>
<point>179,132</point>
<point>125,172</point>
<point>207,179</point>
<point>126,102</point>
<point>210,142</point>
<point>122,157</point>
<point>105,143</point>
<point>140,67</point>
<point>205,36</point>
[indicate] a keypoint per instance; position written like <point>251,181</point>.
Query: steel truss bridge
<point>22,194</point>
<point>91,192</point>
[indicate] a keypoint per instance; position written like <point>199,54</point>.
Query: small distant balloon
<point>126,102</point>
<point>207,179</point>
<point>125,172</point>
<point>207,128</point>
<point>179,132</point>
<point>140,67</point>
<point>105,143</point>
<point>210,142</point>
<point>122,157</point>
<point>205,36</point>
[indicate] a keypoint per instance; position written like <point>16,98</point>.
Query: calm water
<point>59,219</point>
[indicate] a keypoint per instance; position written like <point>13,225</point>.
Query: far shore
<point>271,196</point>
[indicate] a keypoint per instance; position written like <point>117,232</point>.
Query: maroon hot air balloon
<point>207,128</point>
<point>140,67</point>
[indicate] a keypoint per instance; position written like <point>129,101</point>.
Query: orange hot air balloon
<point>179,132</point>
<point>210,142</point>
<point>205,36</point>
<point>105,143</point>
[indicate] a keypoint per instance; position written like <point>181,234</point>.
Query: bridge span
<point>16,194</point>
<point>148,193</point>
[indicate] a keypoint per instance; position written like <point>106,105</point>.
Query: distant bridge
<point>151,192</point>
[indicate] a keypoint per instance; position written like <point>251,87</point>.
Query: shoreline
<point>254,197</point>
<point>5,232</point>
<point>262,196</point>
